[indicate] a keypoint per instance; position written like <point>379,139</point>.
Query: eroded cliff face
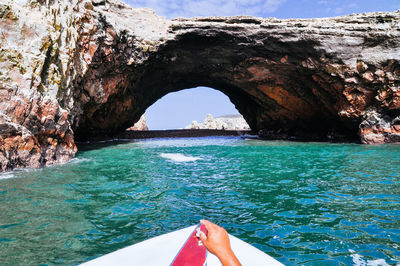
<point>76,69</point>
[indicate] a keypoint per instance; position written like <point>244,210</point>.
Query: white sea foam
<point>179,157</point>
<point>78,160</point>
<point>6,175</point>
<point>18,172</point>
<point>358,260</point>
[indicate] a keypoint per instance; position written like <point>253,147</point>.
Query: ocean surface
<point>302,203</point>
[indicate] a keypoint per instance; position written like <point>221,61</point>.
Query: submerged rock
<point>76,69</point>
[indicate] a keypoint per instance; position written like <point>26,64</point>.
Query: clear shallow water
<point>302,203</point>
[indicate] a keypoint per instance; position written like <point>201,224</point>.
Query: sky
<point>264,8</point>
<point>176,110</point>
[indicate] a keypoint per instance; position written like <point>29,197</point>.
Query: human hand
<point>217,242</point>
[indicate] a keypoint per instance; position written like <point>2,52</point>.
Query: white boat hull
<point>161,250</point>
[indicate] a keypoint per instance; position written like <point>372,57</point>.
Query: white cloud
<point>193,8</point>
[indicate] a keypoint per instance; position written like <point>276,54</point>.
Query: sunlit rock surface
<point>227,122</point>
<point>140,125</point>
<point>76,69</point>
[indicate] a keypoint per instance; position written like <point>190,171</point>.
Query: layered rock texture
<point>226,122</point>
<point>70,70</point>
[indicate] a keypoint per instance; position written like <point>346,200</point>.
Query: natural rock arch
<point>272,83</point>
<point>284,83</point>
<point>270,92</point>
<point>93,68</point>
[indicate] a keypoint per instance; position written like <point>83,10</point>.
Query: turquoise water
<point>302,203</point>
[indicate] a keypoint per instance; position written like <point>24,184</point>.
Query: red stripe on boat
<point>192,253</point>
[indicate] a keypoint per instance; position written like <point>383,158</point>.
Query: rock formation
<point>75,69</point>
<point>140,125</point>
<point>227,122</point>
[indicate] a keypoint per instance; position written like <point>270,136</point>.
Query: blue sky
<point>264,8</point>
<point>176,110</point>
<point>179,109</point>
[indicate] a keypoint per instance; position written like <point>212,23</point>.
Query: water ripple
<point>303,203</point>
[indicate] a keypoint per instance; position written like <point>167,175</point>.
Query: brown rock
<point>380,73</point>
<point>368,76</point>
<point>390,77</point>
<point>352,80</point>
<point>284,59</point>
<point>373,139</point>
<point>361,67</point>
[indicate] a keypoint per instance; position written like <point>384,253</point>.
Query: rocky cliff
<point>75,69</point>
<point>140,125</point>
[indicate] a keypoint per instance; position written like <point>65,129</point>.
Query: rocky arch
<point>272,83</point>
<point>72,71</point>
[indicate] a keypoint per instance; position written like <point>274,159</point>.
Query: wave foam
<point>358,260</point>
<point>6,175</point>
<point>78,160</point>
<point>179,157</point>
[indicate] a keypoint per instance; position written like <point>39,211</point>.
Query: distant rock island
<point>73,70</point>
<point>226,122</point>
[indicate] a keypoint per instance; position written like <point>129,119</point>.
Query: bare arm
<point>217,242</point>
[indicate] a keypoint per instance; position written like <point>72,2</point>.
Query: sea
<point>303,203</point>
